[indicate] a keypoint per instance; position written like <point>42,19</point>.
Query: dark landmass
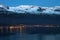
<point>11,18</point>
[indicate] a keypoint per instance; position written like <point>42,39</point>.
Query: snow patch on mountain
<point>4,8</point>
<point>31,9</point>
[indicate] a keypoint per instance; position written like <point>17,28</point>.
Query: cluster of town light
<point>21,27</point>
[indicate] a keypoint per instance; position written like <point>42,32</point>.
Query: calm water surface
<point>25,36</point>
<point>17,35</point>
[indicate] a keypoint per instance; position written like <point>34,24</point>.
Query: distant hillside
<point>28,14</point>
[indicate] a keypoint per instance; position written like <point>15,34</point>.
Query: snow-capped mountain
<point>29,14</point>
<point>4,8</point>
<point>31,9</point>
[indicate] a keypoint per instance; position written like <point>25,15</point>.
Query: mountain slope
<point>28,14</point>
<point>31,9</point>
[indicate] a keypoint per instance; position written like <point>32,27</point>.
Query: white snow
<point>33,9</point>
<point>4,8</point>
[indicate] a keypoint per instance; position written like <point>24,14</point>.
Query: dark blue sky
<point>30,2</point>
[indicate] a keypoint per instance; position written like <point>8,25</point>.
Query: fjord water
<point>26,36</point>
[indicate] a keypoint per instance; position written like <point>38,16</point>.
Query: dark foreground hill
<point>17,19</point>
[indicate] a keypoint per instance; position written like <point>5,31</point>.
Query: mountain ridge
<point>31,9</point>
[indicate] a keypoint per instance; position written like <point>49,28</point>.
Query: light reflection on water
<point>23,36</point>
<point>19,35</point>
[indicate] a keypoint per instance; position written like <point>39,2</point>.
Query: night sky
<point>30,2</point>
